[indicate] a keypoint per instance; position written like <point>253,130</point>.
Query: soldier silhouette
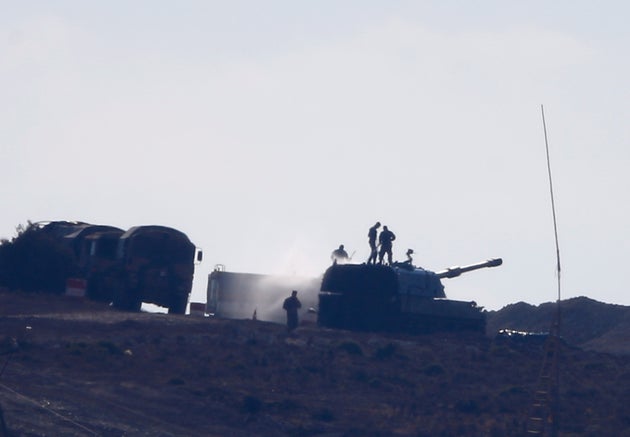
<point>339,255</point>
<point>408,263</point>
<point>291,305</point>
<point>372,241</point>
<point>409,257</point>
<point>385,240</point>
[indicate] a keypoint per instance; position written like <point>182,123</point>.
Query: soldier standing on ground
<point>372,242</point>
<point>385,240</point>
<point>291,305</point>
<point>339,256</point>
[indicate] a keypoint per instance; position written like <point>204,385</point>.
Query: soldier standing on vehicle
<point>291,305</point>
<point>372,242</point>
<point>409,257</point>
<point>385,240</point>
<point>339,255</point>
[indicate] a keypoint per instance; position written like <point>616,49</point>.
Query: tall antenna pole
<point>543,415</point>
<point>555,326</point>
<point>553,203</point>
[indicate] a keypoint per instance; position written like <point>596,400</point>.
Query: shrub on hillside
<point>351,347</point>
<point>35,261</point>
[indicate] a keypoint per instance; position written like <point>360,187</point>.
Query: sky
<point>272,131</point>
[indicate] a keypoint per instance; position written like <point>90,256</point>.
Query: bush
<point>324,415</point>
<point>351,347</point>
<point>385,352</point>
<point>289,405</point>
<point>469,406</point>
<point>433,370</point>
<point>252,405</point>
<point>110,347</point>
<point>35,261</point>
<point>76,348</point>
<point>360,375</point>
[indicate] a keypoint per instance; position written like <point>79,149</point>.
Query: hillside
<point>77,368</point>
<point>586,323</point>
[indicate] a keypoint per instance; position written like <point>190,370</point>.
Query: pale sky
<point>271,132</point>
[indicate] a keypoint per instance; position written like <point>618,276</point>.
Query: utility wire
<point>50,410</point>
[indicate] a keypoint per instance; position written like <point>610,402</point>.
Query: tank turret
<point>397,298</point>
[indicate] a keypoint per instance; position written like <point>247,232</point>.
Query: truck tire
<point>97,289</point>
<point>179,305</point>
<point>126,300</point>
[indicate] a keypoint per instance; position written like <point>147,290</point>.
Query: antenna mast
<point>553,203</point>
<point>543,416</point>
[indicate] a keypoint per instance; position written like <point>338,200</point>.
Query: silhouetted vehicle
<point>59,228</point>
<point>99,261</point>
<point>399,298</point>
<point>237,295</point>
<point>152,264</point>
<point>93,249</point>
<point>155,264</point>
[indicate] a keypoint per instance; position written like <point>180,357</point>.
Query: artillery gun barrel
<point>453,272</point>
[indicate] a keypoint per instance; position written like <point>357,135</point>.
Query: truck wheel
<point>99,289</point>
<point>135,304</point>
<point>178,306</point>
<point>126,301</point>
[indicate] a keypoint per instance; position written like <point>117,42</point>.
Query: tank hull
<point>380,298</point>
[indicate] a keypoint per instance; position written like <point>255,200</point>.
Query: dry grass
<point>82,368</point>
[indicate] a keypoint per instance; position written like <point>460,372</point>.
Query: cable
<point>50,410</point>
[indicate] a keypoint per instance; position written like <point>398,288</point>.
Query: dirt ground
<point>71,367</point>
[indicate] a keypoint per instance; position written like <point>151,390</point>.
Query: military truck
<point>155,264</point>
<point>99,251</point>
<point>400,297</point>
<point>93,251</point>
<point>152,264</point>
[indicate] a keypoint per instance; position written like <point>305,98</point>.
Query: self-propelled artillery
<point>400,297</point>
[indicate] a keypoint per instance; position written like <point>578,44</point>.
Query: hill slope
<point>585,322</point>
<point>77,368</point>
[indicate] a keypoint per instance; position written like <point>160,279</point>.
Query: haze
<point>271,132</point>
